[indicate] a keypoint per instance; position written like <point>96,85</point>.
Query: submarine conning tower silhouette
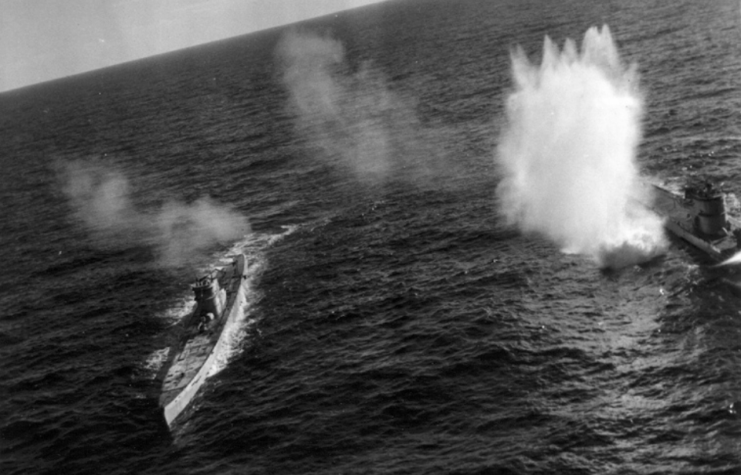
<point>710,209</point>
<point>210,297</point>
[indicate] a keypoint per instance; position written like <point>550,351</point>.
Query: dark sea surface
<point>396,325</point>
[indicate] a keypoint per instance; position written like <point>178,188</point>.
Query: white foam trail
<point>567,152</point>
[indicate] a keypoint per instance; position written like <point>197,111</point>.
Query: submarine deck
<point>680,220</point>
<point>195,347</point>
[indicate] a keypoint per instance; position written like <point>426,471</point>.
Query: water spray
<point>567,153</point>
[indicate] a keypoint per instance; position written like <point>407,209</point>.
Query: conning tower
<point>709,208</point>
<point>211,298</point>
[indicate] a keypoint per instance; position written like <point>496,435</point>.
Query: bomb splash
<point>567,153</point>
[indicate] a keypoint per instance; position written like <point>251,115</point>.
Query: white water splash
<point>154,362</point>
<point>180,310</point>
<point>568,152</point>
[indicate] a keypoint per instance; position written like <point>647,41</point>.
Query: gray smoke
<point>357,121</point>
<point>100,197</point>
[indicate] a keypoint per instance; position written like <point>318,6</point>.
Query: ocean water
<point>396,324</point>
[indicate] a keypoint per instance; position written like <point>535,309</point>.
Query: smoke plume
<point>568,151</point>
<point>101,199</point>
<point>357,121</point>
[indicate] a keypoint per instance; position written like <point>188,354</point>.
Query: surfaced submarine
<point>220,299</point>
<point>698,215</point>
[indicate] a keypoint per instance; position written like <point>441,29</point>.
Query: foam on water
<point>180,310</point>
<point>154,362</point>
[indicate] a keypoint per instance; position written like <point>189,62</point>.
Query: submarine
<point>698,215</point>
<point>220,297</point>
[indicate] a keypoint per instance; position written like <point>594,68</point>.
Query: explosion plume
<point>567,153</point>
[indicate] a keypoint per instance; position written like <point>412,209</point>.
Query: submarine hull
<point>197,349</point>
<point>685,219</point>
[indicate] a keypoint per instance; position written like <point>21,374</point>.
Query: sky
<point>42,40</point>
